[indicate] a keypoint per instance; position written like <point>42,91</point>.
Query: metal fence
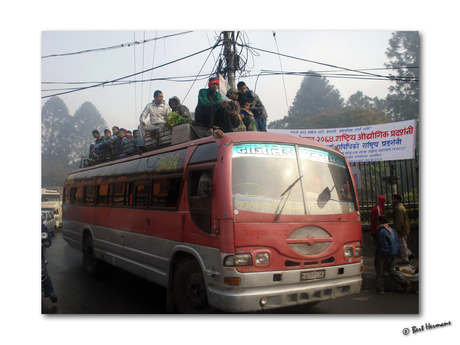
<point>388,178</point>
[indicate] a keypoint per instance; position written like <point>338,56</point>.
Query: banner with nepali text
<point>385,142</point>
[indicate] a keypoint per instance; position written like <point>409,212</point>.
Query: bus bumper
<point>287,294</point>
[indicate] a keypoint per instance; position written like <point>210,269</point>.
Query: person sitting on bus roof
<point>257,108</point>
<point>157,112</point>
<point>133,144</point>
<point>176,106</point>
<point>234,110</point>
<point>97,136</point>
<point>248,117</point>
<point>130,143</point>
<point>115,130</point>
<point>210,109</point>
<point>104,145</point>
<point>120,143</point>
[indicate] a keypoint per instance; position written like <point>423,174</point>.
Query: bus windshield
<point>263,174</point>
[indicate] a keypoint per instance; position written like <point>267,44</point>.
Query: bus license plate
<point>312,275</point>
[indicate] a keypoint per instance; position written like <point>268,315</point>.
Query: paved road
<point>118,292</point>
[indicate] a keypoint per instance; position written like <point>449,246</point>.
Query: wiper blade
<point>288,189</point>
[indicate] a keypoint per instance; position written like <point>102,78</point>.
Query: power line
<point>124,45</point>
<point>282,76</point>
<point>332,75</point>
<point>191,78</point>
<point>132,75</point>
<point>210,53</point>
<point>203,76</point>
<point>321,63</point>
<point>265,72</point>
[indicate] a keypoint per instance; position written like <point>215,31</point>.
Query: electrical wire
<point>124,45</point>
<point>132,75</point>
<point>153,62</point>
<point>244,55</point>
<point>322,63</point>
<point>332,75</point>
<point>215,62</point>
<point>282,76</point>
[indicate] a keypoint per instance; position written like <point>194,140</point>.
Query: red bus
<point>245,222</point>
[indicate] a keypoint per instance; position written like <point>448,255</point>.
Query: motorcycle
<point>47,287</point>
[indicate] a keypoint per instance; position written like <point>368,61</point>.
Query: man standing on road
<point>402,226</point>
<point>387,248</point>
<point>157,110</point>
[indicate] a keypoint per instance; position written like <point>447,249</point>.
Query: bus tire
<point>189,288</point>
<point>91,265</point>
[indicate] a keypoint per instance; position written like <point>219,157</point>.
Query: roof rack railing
<point>154,140</point>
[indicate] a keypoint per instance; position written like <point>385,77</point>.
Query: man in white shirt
<point>158,110</point>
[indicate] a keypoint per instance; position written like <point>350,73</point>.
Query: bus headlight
<point>349,252</point>
<point>358,251</point>
<point>262,259</point>
<point>238,260</point>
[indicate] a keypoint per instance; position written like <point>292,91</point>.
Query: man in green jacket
<point>210,110</point>
<point>402,226</point>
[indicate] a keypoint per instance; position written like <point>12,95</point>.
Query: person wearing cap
<point>210,108</point>
<point>256,107</point>
<point>234,110</point>
<point>157,112</point>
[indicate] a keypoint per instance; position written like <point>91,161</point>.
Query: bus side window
<point>200,197</point>
<point>90,194</point>
<point>73,195</point>
<point>205,186</point>
<point>104,194</point>
<point>79,195</point>
<point>166,192</point>
<point>67,195</point>
<point>200,183</point>
<point>141,194</point>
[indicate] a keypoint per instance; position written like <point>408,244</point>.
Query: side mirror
<point>324,197</point>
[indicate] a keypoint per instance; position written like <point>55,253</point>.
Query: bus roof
<point>227,139</point>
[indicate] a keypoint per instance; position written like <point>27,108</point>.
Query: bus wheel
<point>91,265</point>
<point>190,288</point>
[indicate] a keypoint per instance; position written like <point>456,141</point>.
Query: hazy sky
<point>30,30</point>
<point>122,104</point>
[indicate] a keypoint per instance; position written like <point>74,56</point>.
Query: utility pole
<point>229,54</point>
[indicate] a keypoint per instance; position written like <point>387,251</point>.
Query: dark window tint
<point>104,195</point>
<point>166,192</point>
<point>90,194</point>
<point>141,195</point>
